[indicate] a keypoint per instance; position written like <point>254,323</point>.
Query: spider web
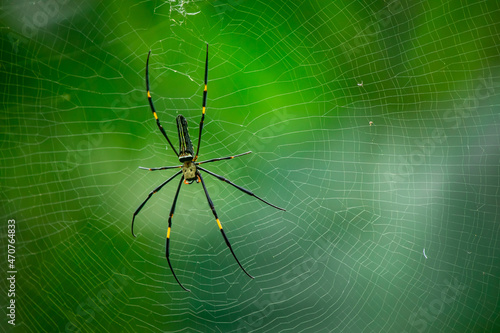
<point>374,123</point>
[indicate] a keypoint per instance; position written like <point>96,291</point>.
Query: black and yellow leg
<point>242,189</point>
<point>167,249</point>
<point>153,108</point>
<point>204,105</point>
<point>162,168</point>
<point>211,204</point>
<point>149,196</point>
<point>223,158</point>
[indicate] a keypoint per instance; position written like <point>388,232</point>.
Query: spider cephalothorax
<point>190,168</point>
<point>189,172</point>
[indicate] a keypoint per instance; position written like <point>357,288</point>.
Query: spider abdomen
<point>185,145</point>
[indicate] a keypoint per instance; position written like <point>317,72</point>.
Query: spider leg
<point>149,196</point>
<point>211,204</point>
<point>162,168</point>
<point>223,158</point>
<point>204,104</point>
<point>242,189</point>
<point>167,251</point>
<point>150,99</point>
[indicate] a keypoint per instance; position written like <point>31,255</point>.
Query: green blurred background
<point>374,123</point>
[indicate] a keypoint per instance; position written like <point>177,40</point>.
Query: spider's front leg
<point>167,246</point>
<point>211,204</point>
<point>157,189</point>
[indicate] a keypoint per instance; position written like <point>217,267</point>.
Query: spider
<point>190,169</point>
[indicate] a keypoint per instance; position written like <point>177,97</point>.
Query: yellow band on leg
<point>218,222</point>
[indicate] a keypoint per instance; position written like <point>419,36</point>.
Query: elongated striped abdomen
<point>185,145</point>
